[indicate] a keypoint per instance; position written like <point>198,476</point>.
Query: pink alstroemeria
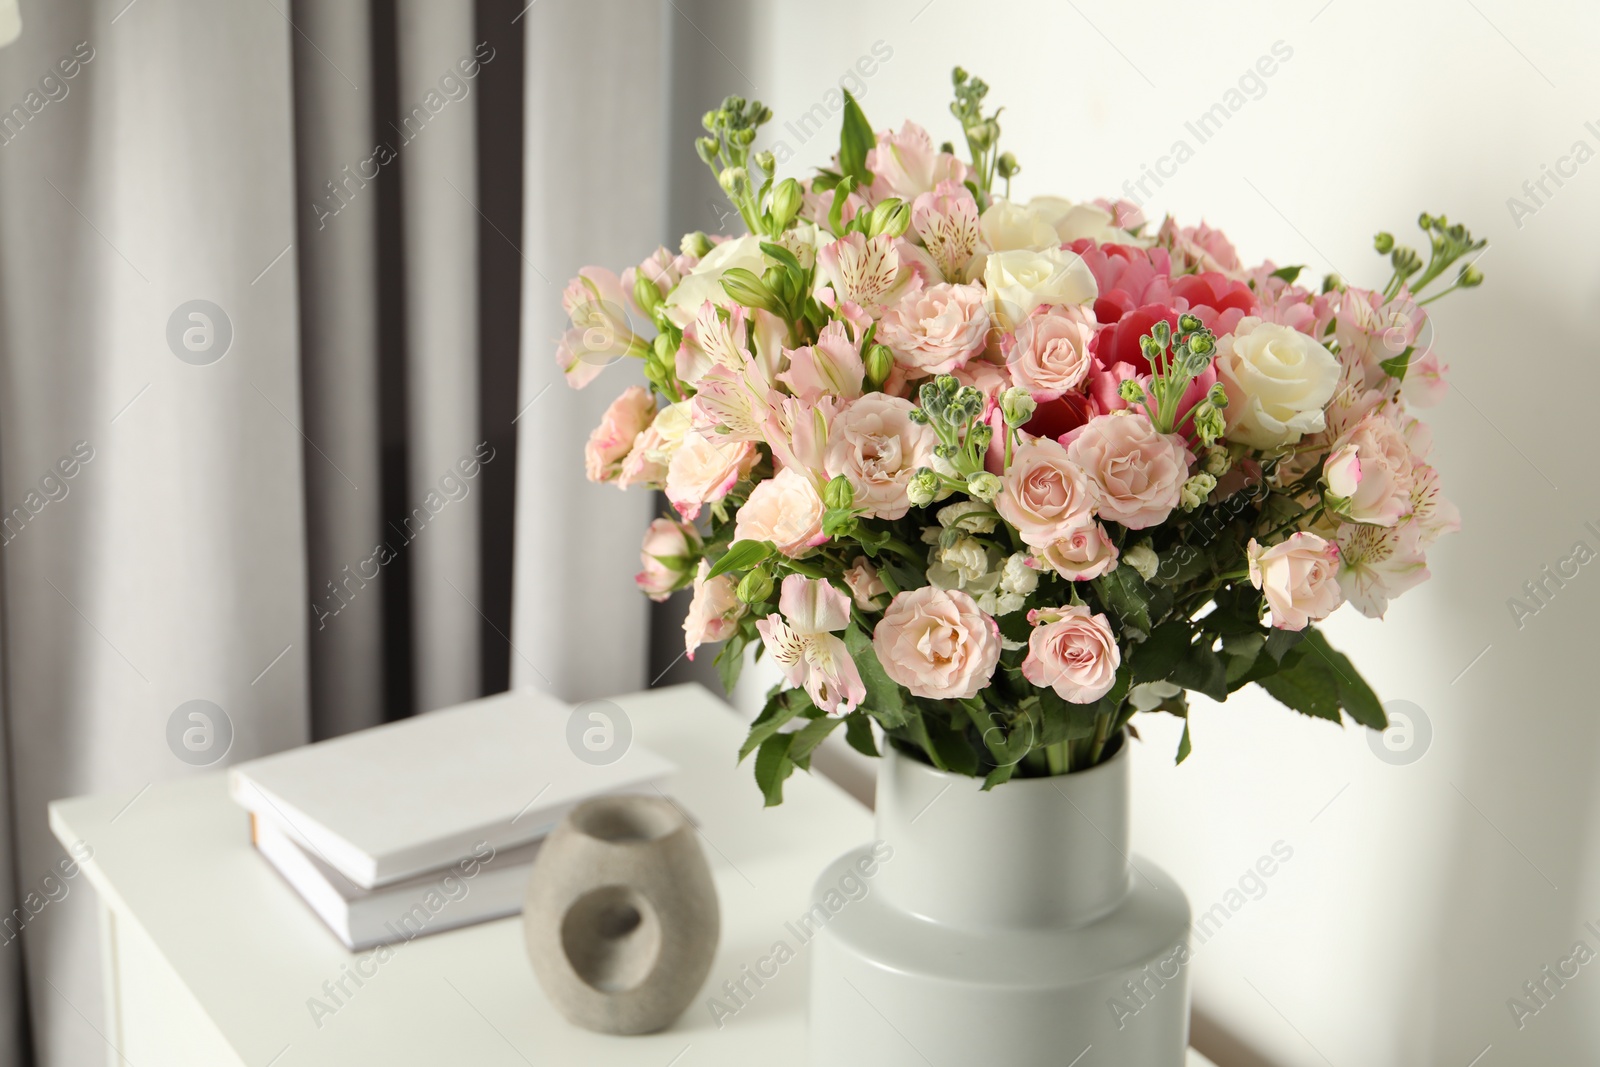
<point>864,271</point>
<point>801,641</point>
<point>831,367</point>
<point>600,332</point>
<point>947,221</point>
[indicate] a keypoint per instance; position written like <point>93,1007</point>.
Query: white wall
<point>1420,897</point>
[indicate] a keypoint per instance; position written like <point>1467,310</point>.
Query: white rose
<point>1006,226</point>
<point>1278,382</point>
<point>1074,221</point>
<point>704,282</point>
<point>1019,281</point>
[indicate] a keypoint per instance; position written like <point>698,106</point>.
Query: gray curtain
<point>263,272</point>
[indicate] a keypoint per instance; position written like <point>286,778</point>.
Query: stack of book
<point>429,823</point>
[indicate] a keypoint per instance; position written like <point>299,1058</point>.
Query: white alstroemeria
<point>704,282</point>
<point>800,639</point>
<point>1378,563</point>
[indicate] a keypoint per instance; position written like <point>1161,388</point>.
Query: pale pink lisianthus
<point>937,643</point>
<point>1073,652</point>
<point>704,468</point>
<point>875,444</point>
<point>1299,577</point>
<point>786,510</point>
<point>1139,472</point>
<point>715,611</point>
<point>865,585</point>
<point>1082,554</point>
<point>1382,493</point>
<point>907,164</point>
<point>665,556</point>
<point>1044,494</point>
<point>937,329</point>
<point>800,639</point>
<point>628,416</point>
<point>1048,353</point>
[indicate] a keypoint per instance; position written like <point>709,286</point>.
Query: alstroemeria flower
<point>801,641</point>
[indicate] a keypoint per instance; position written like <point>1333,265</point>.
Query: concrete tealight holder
<point>622,919</point>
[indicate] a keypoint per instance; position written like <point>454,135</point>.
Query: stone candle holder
<point>622,920</point>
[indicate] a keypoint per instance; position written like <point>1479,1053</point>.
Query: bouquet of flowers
<point>999,476</point>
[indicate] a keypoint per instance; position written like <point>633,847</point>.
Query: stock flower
<point>704,468</point>
<point>715,611</point>
<point>1139,472</point>
<point>1044,494</point>
<point>874,444</point>
<point>1298,576</point>
<point>1007,227</point>
<point>831,367</point>
<point>906,165</point>
<point>937,329</point>
<point>937,643</point>
<point>1048,354</point>
<point>611,441</point>
<point>1378,563</point>
<point>666,555</point>
<point>786,510</point>
<point>1278,382</point>
<point>801,642</point>
<point>865,585</point>
<point>704,282</point>
<point>1383,489</point>
<point>1084,553</point>
<point>1019,281</point>
<point>947,221</point>
<point>1073,652</point>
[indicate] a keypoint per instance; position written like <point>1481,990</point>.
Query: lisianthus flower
<point>937,643</point>
<point>800,638</point>
<point>715,611</point>
<point>1298,578</point>
<point>786,510</point>
<point>609,444</point>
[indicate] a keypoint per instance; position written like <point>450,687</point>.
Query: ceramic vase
<point>1001,927</point>
<point>621,921</point>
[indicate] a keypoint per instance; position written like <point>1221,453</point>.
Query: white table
<point>211,960</point>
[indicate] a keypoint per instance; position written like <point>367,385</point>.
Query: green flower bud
<point>839,493</point>
<point>879,361</point>
<point>923,487</point>
<point>765,161</point>
<point>1218,396</point>
<point>1217,462</point>
<point>1006,166</point>
<point>645,294</point>
<point>707,149</point>
<point>745,288</point>
<point>1384,243</point>
<point>1208,423</point>
<point>786,200</point>
<point>755,587</point>
<point>1131,391</point>
<point>983,486</point>
<point>1195,491</point>
<point>1187,323</point>
<point>695,244</point>
<point>1017,405</point>
<point>1470,276</point>
<point>890,217</point>
<point>709,120</point>
<point>735,181</point>
<point>1331,282</point>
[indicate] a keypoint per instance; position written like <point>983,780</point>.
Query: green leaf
<point>856,139</point>
<point>1158,656</point>
<point>741,555</point>
<point>730,661</point>
<point>1281,641</point>
<point>1184,746</point>
<point>1288,274</point>
<point>1308,687</point>
<point>808,737</point>
<point>885,699</point>
<point>1202,670</point>
<point>1396,366</point>
<point>858,732</point>
<point>841,192</point>
<point>1129,601</point>
<point>773,765</point>
<point>951,746</point>
<point>998,776</point>
<point>1357,698</point>
<point>1061,720</point>
<point>781,254</point>
<point>1240,652</point>
<point>780,709</point>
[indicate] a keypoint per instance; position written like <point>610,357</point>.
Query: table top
<point>179,865</point>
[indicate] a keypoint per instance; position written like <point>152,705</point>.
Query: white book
<point>411,797</point>
<point>485,885</point>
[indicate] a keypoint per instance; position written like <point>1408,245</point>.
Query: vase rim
<point>1075,776</point>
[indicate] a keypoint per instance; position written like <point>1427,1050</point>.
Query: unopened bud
<point>923,487</point>
<point>1470,276</point>
<point>839,493</point>
<point>1217,462</point>
<point>1142,558</point>
<point>879,362</point>
<point>735,181</point>
<point>890,217</point>
<point>707,149</point>
<point>645,294</point>
<point>1384,243</point>
<point>983,486</point>
<point>1131,390</point>
<point>695,244</point>
<point>1208,423</point>
<point>1017,405</point>
<point>755,587</point>
<point>765,161</point>
<point>786,199</point>
<point>1195,491</point>
<point>745,288</point>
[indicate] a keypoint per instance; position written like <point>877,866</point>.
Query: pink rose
<point>628,416</point>
<point>1083,554</point>
<point>1299,576</point>
<point>715,611</point>
<point>865,585</point>
<point>1139,472</point>
<point>906,165</point>
<point>937,643</point>
<point>878,448</point>
<point>1044,494</point>
<point>936,330</point>
<point>1383,493</point>
<point>667,554</point>
<point>1073,652</point>
<point>786,510</point>
<point>1341,472</point>
<point>704,468</point>
<point>801,642</point>
<point>1049,353</point>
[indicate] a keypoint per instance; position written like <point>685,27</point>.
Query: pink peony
<point>800,641</point>
<point>667,553</point>
<point>628,416</point>
<point>906,165</point>
<point>1299,577</point>
<point>937,643</point>
<point>786,510</point>
<point>936,330</point>
<point>1049,352</point>
<point>704,468</point>
<point>715,611</point>
<point>1082,554</point>
<point>1044,494</point>
<point>1073,652</point>
<point>1139,472</point>
<point>878,448</point>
